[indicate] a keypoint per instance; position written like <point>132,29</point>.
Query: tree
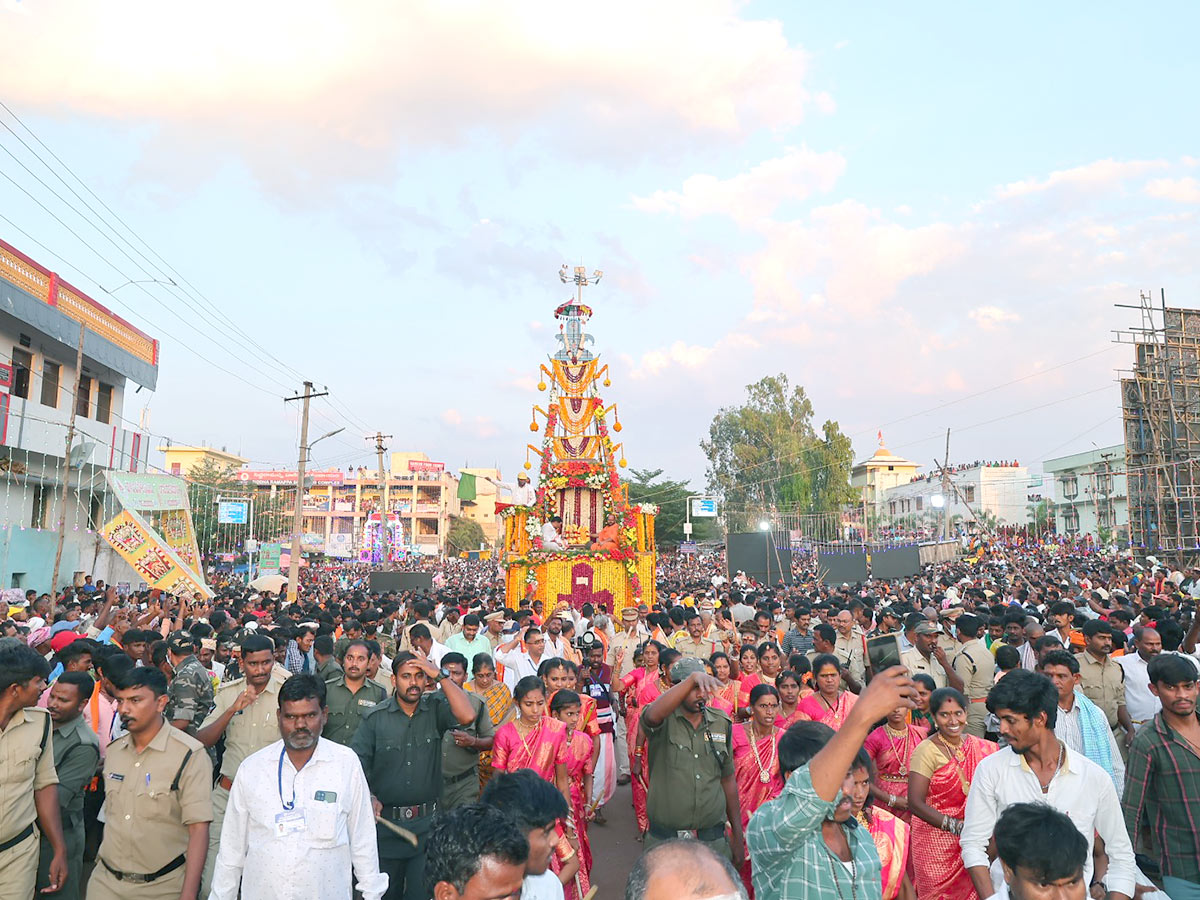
<point>206,481</point>
<point>767,455</point>
<point>646,486</point>
<point>464,535</point>
<point>1041,515</point>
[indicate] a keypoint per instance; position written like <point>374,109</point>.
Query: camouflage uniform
<point>190,695</point>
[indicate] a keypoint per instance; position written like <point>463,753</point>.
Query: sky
<point>923,215</point>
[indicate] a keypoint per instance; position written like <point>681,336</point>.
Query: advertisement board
<point>233,512</point>
<point>143,492</point>
<point>704,507</point>
<point>136,542</point>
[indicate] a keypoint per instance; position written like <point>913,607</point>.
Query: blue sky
<point>899,208</point>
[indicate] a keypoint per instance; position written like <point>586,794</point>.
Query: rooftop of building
<point>1114,455</point>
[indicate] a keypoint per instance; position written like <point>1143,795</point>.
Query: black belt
<point>455,779</point>
<point>24,833</point>
<point>407,813</point>
<point>135,878</point>
<point>713,833</point>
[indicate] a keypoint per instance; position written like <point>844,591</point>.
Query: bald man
<point>683,870</point>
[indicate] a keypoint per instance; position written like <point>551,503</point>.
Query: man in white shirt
<point>523,654</point>
<point>555,645</point>
<point>552,538</point>
<point>1081,724</point>
<point>1037,767</point>
<point>424,644</point>
<point>523,493</point>
<point>1141,704</point>
<point>299,814</point>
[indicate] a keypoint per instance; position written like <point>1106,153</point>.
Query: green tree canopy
<point>767,455</point>
<point>464,535</point>
<point>648,486</point>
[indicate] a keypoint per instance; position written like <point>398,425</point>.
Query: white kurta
<point>312,864</point>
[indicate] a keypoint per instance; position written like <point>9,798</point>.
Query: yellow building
<point>873,477</point>
<point>180,460</point>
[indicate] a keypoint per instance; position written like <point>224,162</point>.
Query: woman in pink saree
<point>829,704</point>
<point>640,688</point>
<point>891,747</point>
<point>890,833</point>
<point>728,693</point>
<point>565,707</point>
<point>756,759</point>
<point>532,740</point>
<point>790,692</point>
<point>770,663</point>
<point>939,778</point>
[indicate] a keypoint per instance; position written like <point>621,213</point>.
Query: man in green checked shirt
<point>805,844</point>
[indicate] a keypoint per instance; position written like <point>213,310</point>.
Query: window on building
<point>920,503</point>
<point>969,493</point>
<point>176,468</point>
<point>892,507</point>
<point>1070,486</point>
<point>95,511</point>
<point>41,506</point>
<point>1104,483</point>
<point>22,363</point>
<point>1071,520</point>
<point>104,397</point>
<point>50,378</point>
<point>83,397</point>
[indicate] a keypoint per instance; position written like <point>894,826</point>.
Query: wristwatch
<point>442,673</point>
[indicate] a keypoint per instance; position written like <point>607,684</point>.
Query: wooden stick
<point>591,894</point>
<point>403,832</point>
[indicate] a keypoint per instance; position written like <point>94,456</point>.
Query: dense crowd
<point>1021,723</point>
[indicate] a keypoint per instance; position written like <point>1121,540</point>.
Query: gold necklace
<point>901,756</point>
<point>764,772</point>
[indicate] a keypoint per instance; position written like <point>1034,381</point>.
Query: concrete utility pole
<point>62,505</point>
<point>384,534</point>
<point>946,490</point>
<point>298,519</point>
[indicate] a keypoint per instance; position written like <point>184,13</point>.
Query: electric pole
<point>384,535</point>
<point>946,490</point>
<point>62,506</point>
<point>298,519</point>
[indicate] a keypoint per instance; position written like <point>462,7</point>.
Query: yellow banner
<point>161,567</point>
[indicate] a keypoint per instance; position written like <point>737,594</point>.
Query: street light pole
<point>298,518</point>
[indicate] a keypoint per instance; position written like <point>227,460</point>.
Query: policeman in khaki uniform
<point>157,802</point>
<point>27,777</point>
<point>1103,680</point>
<point>976,666</point>
<point>689,759</point>
<point>694,643</point>
<point>245,713</point>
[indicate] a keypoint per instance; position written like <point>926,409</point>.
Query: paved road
<point>614,848</point>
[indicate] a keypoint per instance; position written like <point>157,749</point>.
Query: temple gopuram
<point>608,554</point>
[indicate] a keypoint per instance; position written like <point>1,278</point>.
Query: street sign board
<point>704,507</point>
<point>233,512</point>
<point>688,547</point>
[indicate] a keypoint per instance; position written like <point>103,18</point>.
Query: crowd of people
<point>1024,723</point>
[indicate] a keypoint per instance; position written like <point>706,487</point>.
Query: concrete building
<point>998,489</point>
<point>418,494</point>
<point>41,317</point>
<point>1090,492</point>
<point>873,477</point>
<point>179,460</point>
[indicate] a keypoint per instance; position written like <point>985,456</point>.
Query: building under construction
<point>1160,402</point>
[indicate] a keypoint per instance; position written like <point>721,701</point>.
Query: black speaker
<point>842,568</point>
<point>383,582</point>
<point>898,562</point>
<point>758,554</point>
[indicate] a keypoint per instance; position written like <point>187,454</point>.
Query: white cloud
<point>1181,190</point>
<point>452,417</point>
<point>990,318</point>
<point>750,196</point>
<point>1093,175</point>
<point>335,88</point>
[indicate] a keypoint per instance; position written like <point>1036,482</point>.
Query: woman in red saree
<point>498,700</point>
<point>770,663</point>
<point>891,747</point>
<point>723,670</point>
<point>829,704</point>
<point>747,661</point>
<point>939,778</point>
<point>565,707</point>
<point>890,833</point>
<point>756,758</point>
<point>640,688</point>
<point>790,690</point>
<point>532,740</point>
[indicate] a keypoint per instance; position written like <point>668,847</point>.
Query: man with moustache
<point>399,743</point>
<point>299,816</point>
<point>157,801</point>
<point>76,755</point>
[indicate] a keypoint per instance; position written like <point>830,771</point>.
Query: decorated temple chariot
<point>602,551</point>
